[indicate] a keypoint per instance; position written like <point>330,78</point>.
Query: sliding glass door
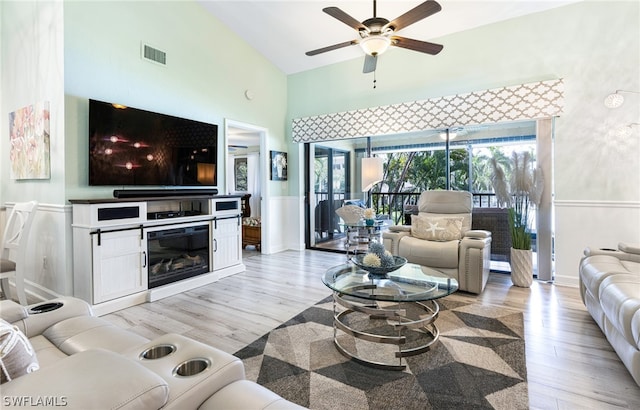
<point>330,172</point>
<point>412,163</point>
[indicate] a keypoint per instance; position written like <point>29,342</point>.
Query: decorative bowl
<point>350,214</point>
<point>378,270</point>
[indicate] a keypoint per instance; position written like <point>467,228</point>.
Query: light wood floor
<point>570,364</point>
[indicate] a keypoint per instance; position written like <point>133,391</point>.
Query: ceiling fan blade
<point>416,45</point>
<point>418,13</point>
<point>330,48</point>
<point>369,64</point>
<point>345,18</point>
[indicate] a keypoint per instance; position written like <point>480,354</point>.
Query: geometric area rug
<point>478,362</point>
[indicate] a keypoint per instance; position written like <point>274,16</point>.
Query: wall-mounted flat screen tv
<point>134,147</point>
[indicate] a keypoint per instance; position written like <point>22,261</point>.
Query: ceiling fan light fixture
<point>614,100</point>
<point>375,45</point>
<point>625,131</point>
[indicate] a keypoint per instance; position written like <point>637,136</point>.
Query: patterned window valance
<point>542,99</point>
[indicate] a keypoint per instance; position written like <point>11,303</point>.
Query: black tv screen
<point>130,146</point>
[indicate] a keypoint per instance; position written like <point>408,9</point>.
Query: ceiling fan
<point>377,33</point>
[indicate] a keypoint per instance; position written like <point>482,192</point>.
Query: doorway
<point>245,175</point>
<point>331,187</point>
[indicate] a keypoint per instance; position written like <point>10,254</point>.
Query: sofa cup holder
<point>157,352</point>
<point>191,367</point>
<point>46,307</point>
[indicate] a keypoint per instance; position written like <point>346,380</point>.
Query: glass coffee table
<point>389,317</point>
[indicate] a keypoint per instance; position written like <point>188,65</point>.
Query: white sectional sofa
<point>85,362</point>
<point>610,289</point>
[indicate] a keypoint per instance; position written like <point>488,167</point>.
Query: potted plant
<point>369,215</point>
<point>519,192</point>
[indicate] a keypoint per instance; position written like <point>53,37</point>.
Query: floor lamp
<point>372,173</point>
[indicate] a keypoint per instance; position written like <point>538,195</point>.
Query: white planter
<point>522,267</point>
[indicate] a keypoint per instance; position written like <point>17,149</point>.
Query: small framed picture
<point>278,166</point>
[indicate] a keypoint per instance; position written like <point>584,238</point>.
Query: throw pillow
<point>436,228</point>
<point>17,356</point>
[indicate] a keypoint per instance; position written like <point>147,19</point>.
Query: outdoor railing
<point>323,196</point>
<point>394,204</point>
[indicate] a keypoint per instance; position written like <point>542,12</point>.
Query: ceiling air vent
<point>153,54</point>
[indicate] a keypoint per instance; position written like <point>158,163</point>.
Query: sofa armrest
<point>400,228</point>
<point>391,240</point>
<point>12,312</point>
<point>477,233</point>
<point>475,242</point>
<point>190,391</point>
<point>245,394</point>
<point>474,264</point>
<point>629,248</point>
<point>37,322</point>
<point>624,252</point>
<point>88,380</point>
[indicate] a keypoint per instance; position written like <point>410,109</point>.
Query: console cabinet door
<point>119,264</point>
<point>227,239</point>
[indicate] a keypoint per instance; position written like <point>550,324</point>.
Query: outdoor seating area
<point>496,221</point>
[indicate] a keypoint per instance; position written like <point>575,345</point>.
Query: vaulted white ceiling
<point>284,30</point>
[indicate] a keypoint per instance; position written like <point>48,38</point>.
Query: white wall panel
<point>283,228</point>
<point>598,224</point>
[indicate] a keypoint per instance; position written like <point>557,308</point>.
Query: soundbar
<point>171,214</point>
<point>159,193</point>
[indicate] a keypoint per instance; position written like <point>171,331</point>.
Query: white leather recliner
<point>79,361</point>
<point>440,237</point>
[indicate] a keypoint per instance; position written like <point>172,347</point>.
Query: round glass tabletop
<point>409,283</point>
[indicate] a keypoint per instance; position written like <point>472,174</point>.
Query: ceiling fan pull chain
<point>374,79</point>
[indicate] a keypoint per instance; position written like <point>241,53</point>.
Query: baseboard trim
<point>568,281</point>
<point>33,291</point>
<point>174,288</point>
<point>595,204</point>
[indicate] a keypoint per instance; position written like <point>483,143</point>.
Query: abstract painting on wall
<point>29,142</point>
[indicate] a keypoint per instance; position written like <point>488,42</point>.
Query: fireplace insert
<point>177,253</point>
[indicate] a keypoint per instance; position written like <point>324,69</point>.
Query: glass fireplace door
<point>177,253</point>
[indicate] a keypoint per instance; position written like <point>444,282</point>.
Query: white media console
<point>128,251</point>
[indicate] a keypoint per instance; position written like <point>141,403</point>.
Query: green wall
<point>594,46</point>
<point>32,72</point>
<point>208,70</point>
<point>92,50</point>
